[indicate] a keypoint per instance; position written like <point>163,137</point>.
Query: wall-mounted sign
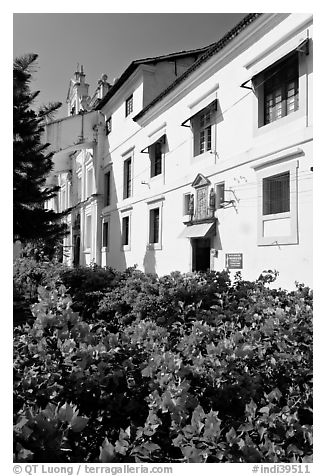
<point>234,260</point>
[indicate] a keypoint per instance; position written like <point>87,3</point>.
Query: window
<point>127,178</point>
<point>125,231</point>
<point>277,204</point>
<point>186,204</point>
<point>155,153</point>
<point>108,125</point>
<point>105,234</point>
<point>202,128</point>
<point>129,105</point>
<point>154,225</point>
<point>276,194</point>
<point>220,195</point>
<point>281,89</point>
<point>88,231</point>
<point>107,189</point>
<point>155,208</point>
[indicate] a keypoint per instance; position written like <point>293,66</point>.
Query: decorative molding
<point>201,98</point>
<point>156,199</point>
<point>293,35</point>
<point>200,181</point>
<point>157,129</point>
<point>275,158</point>
<point>128,151</point>
<point>126,209</point>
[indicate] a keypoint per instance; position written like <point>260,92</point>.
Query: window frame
<point>154,226</point>
<point>107,187</point>
<point>276,201</point>
<point>155,205</point>
<point>106,242</point>
<point>153,158</point>
<point>279,79</point>
<point>269,171</point>
<point>126,215</point>
<point>203,130</point>
<point>301,112</point>
<point>185,203</point>
<point>129,105</point>
<point>218,195</point>
<point>127,183</point>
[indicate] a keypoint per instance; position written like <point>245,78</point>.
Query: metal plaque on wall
<point>234,260</point>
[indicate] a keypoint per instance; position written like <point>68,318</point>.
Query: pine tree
<point>32,163</point>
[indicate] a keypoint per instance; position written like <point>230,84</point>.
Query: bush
<point>30,271</point>
<point>166,299</point>
<point>87,286</point>
<point>226,377</point>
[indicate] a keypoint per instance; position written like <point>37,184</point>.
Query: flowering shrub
<point>222,374</point>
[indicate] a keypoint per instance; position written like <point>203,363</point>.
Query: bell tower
<point>77,96</point>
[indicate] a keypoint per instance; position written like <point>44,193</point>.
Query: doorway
<point>201,254</point>
<point>76,250</point>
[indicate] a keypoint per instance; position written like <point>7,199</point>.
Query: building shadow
<point>149,261</point>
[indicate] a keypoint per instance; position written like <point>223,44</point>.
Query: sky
<point>106,43</point>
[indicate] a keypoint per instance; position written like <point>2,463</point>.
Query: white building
<point>198,159</point>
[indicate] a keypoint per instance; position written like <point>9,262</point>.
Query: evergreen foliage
<point>32,162</point>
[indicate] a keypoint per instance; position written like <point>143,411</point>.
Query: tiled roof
<point>131,68</point>
<point>212,50</point>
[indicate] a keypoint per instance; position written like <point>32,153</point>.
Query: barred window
<point>276,194</point>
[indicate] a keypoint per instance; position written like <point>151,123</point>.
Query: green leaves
<point>202,387</point>
<point>78,423</point>
<point>107,452</point>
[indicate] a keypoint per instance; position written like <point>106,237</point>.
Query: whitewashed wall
<point>240,146</point>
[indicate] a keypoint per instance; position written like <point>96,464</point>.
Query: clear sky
<point>106,42</point>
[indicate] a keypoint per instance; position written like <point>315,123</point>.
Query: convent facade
<point>195,160</point>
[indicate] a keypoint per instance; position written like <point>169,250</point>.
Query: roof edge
<point>213,49</point>
<point>133,65</point>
